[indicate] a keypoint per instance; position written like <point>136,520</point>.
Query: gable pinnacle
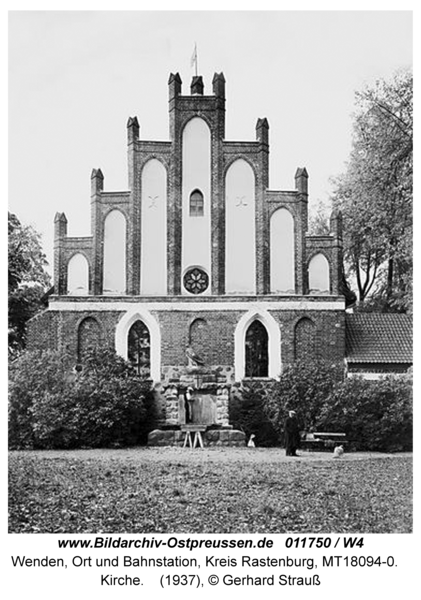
<point>174,85</point>
<point>132,122</point>
<point>60,217</point>
<point>301,172</point>
<point>197,87</point>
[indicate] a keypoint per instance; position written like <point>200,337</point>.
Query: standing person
<point>292,434</point>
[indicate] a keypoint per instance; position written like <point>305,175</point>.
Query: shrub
<point>247,413</point>
<point>375,415</point>
<point>110,397</point>
<point>32,376</point>
<point>52,407</point>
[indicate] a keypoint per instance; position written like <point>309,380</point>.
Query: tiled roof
<point>379,338</point>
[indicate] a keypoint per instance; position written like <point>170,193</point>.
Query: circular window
<point>196,281</point>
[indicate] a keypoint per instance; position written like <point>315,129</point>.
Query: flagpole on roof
<point>194,58</point>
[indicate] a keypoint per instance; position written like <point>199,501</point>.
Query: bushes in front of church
<point>375,415</point>
<point>52,405</point>
<point>247,412</point>
<point>32,377</point>
<point>260,407</point>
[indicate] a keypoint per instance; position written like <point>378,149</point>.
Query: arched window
<point>257,356</point>
<point>197,207</point>
<point>115,253</point>
<point>88,337</point>
<point>139,349</point>
<point>273,343</point>
<point>153,255</point>
<point>240,229</point>
<point>282,252</point>
<point>305,340</point>
<point>318,274</point>
<point>78,275</point>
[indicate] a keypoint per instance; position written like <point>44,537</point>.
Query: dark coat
<point>292,435</point>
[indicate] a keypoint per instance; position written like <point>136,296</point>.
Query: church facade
<point>199,273</point>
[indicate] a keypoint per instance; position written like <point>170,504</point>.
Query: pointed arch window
<point>196,204</point>
<point>257,355</point>
<point>114,274</point>
<point>78,275</point>
<point>139,349</point>
<point>282,252</point>
<point>319,274</point>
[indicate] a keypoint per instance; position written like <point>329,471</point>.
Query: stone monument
<point>197,398</point>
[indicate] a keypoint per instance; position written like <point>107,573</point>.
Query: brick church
<point>199,273</point>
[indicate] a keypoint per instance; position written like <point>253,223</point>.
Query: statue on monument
<point>194,360</point>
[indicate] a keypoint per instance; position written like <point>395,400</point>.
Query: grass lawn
<point>217,490</point>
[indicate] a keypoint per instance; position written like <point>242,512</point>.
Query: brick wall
<point>175,328</point>
<point>329,334</point>
<point>59,329</point>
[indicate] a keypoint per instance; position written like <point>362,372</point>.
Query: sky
<point>76,77</point>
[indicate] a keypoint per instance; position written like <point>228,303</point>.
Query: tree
<point>304,387</point>
<point>247,412</point>
<point>319,218</point>
<point>27,280</point>
<point>375,194</point>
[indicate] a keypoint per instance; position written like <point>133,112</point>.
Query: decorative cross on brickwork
<point>153,200</point>
<point>241,201</point>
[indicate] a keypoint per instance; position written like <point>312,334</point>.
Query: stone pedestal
<point>223,405</point>
<point>211,437</point>
<point>171,406</point>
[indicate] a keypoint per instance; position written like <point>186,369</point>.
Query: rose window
<point>196,280</point>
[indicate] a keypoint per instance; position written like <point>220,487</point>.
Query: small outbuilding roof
<point>378,338</point>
